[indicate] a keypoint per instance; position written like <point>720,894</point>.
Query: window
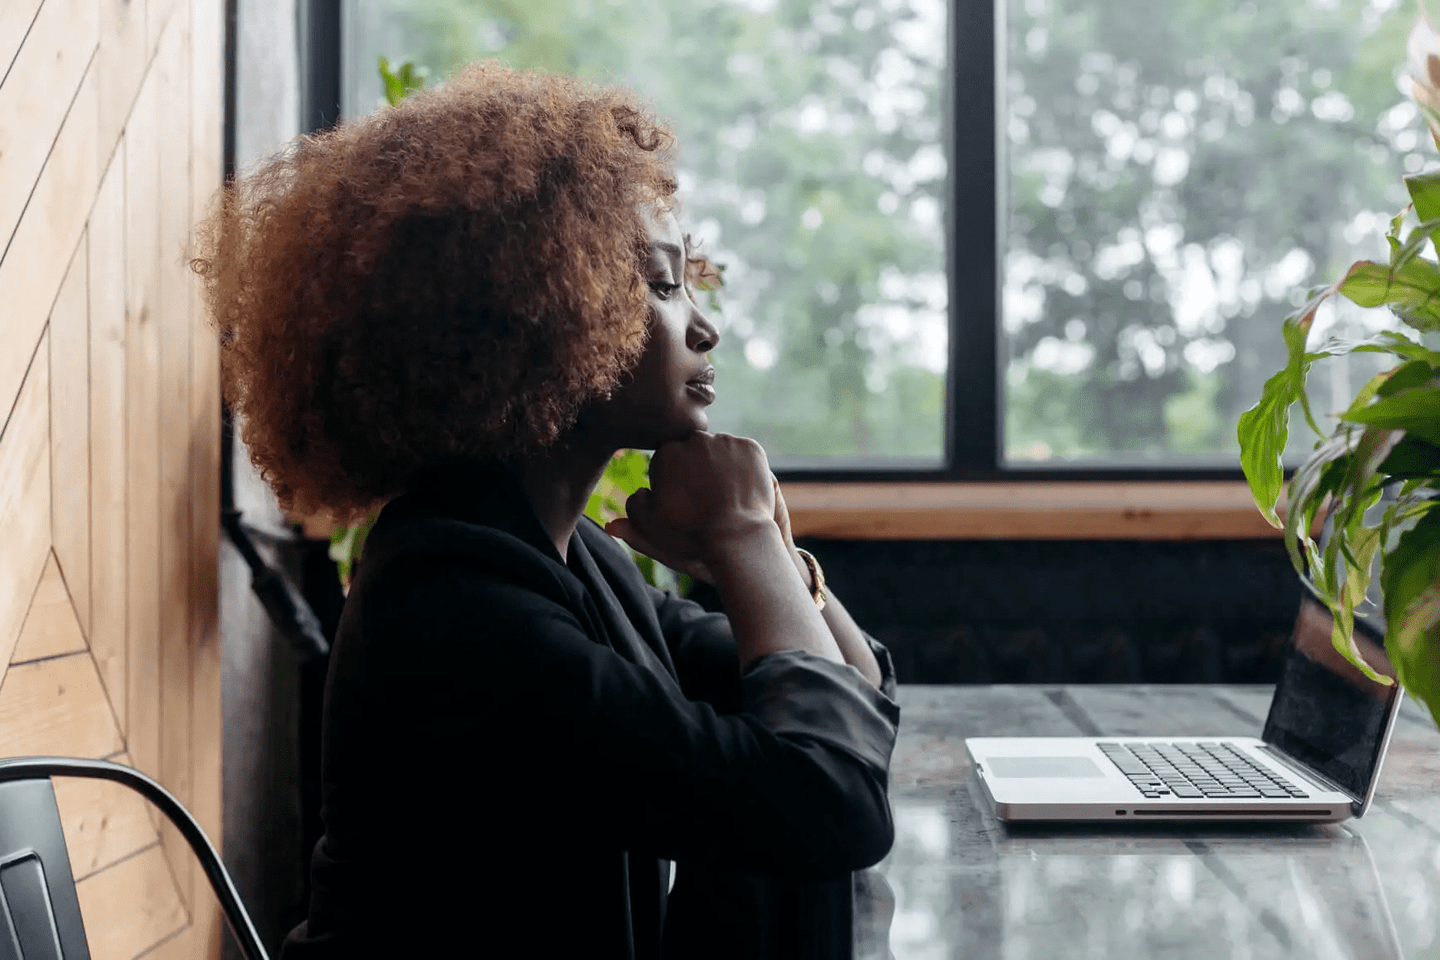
<point>1085,280</point>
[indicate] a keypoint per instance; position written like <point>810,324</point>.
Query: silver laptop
<point>1318,758</point>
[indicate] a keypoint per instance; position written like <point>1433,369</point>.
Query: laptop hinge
<point>1299,768</point>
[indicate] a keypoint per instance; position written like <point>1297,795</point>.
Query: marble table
<point>960,884</point>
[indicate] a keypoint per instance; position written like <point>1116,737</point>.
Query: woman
<point>462,307</point>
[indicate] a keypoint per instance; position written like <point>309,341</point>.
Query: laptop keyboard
<point>1194,770</point>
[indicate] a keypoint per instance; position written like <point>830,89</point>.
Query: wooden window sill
<point>1036,510</point>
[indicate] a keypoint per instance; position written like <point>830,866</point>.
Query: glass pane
<point>1179,175</point>
<point>810,169</point>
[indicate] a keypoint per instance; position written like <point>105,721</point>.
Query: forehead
<point>661,228</point>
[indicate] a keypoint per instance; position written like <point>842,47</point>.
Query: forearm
<point>846,632</point>
<point>766,599</point>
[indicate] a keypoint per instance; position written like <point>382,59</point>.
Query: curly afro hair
<point>455,276</point>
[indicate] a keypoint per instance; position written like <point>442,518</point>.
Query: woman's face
<point>666,394</point>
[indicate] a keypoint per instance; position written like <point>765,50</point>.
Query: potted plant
<point>1374,476</point>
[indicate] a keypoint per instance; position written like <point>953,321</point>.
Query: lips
<point>702,387</point>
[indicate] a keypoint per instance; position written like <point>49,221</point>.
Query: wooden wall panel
<point>50,629</point>
<point>107,432</point>
<point>172,68</point>
<point>39,253</point>
<point>142,428</point>
<point>206,87</point>
<point>36,95</point>
<point>56,708</point>
<point>121,62</point>
<point>70,431</point>
<point>104,822</point>
<point>110,120</point>
<point>131,906</point>
<point>15,19</point>
<point>24,500</point>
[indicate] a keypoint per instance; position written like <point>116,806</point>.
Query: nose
<point>701,335</point>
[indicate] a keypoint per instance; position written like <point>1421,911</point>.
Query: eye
<point>664,290</point>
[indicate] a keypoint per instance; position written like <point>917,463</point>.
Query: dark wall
<point>1067,611</point>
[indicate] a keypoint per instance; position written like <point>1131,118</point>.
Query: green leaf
<point>400,83</point>
<point>1322,472</point>
<point>1415,373</point>
<point>1264,428</point>
<point>1412,458</point>
<point>1414,243</point>
<point>1412,291</point>
<point>1352,592</point>
<point>1416,411</point>
<point>1410,581</point>
<point>346,543</point>
<point>1424,189</point>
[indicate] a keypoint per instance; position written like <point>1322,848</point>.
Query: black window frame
<point>974,238</point>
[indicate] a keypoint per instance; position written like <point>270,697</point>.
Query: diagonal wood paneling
<point>70,431</point>
<point>131,906</point>
<point>50,629</point>
<point>24,499</point>
<point>107,431</point>
<point>39,253</point>
<point>15,19</point>
<point>142,429</point>
<point>206,87</point>
<point>121,62</point>
<point>104,822</point>
<point>36,95</point>
<point>109,441</point>
<point>56,708</point>
<point>172,68</point>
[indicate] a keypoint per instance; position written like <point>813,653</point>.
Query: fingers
<point>640,505</point>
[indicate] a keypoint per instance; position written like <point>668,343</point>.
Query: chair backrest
<point>39,912</point>
<point>42,915</point>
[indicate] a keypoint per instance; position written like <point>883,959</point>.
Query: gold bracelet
<point>817,579</point>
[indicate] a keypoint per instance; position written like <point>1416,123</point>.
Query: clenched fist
<point>706,492</point>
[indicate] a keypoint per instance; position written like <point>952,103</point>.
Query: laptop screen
<point>1326,713</point>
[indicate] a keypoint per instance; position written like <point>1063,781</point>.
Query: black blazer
<point>516,748</point>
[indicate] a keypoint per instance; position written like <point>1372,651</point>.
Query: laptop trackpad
<point>1043,767</point>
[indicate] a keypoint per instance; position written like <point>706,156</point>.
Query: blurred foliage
<point>628,471</point>
<point>1172,178</point>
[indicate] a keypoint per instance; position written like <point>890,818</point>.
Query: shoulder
<point>444,561</point>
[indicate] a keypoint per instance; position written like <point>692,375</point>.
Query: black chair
<point>39,912</point>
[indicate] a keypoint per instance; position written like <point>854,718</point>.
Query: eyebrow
<point>669,248</point>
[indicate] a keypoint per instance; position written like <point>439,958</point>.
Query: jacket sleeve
<point>705,656</point>
<point>793,783</point>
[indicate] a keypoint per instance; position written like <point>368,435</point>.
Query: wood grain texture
<point>24,498</point>
<point>206,89</point>
<point>1025,511</point>
<point>70,432</point>
<point>36,95</point>
<point>142,429</point>
<point>51,628</point>
<point>56,708</point>
<point>16,17</point>
<point>121,61</point>
<point>103,822</point>
<point>107,432</point>
<point>131,906</point>
<point>39,254</point>
<point>172,68</point>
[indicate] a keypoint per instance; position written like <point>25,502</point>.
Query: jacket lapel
<point>627,612</point>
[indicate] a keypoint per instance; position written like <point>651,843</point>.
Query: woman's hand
<point>705,491</point>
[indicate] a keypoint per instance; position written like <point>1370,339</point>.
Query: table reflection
<point>959,883</point>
